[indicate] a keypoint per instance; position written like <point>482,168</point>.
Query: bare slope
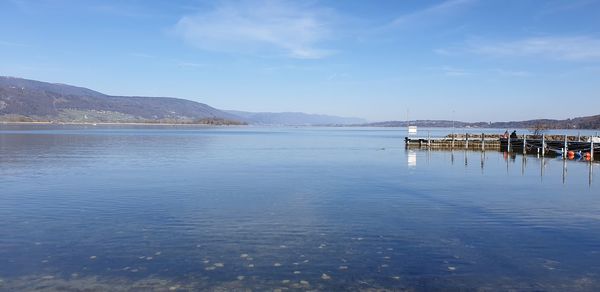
<point>22,99</point>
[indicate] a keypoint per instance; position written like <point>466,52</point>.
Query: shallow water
<point>193,208</point>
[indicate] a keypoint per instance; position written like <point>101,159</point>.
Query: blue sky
<point>470,60</point>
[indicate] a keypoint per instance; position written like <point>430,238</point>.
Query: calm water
<point>150,208</point>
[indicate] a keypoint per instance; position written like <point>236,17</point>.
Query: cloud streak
<point>436,13</point>
<point>269,26</point>
<point>578,48</point>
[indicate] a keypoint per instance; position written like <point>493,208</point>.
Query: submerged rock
<point>325,277</point>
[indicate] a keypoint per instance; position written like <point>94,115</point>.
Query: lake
<point>166,208</point>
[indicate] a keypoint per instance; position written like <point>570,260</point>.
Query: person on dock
<point>513,135</point>
<point>505,136</point>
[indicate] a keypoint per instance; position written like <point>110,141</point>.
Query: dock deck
<point>569,146</point>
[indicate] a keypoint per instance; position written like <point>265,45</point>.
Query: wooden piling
<point>508,144</point>
<point>467,141</point>
<point>482,142</point>
<point>592,150</point>
<point>543,145</point>
<point>428,140</point>
<point>524,144</point>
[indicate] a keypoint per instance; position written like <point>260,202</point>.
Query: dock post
<point>543,145</point>
<point>508,144</point>
<point>565,149</point>
<point>524,144</point>
<point>428,140</point>
<point>592,150</point>
<point>467,141</point>
<point>453,137</point>
<point>482,142</point>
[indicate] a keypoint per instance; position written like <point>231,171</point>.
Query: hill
<point>591,122</point>
<point>294,118</point>
<point>28,100</point>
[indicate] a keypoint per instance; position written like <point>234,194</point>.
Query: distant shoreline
<point>117,124</point>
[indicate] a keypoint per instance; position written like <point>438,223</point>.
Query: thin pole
<point>453,130</point>
<point>543,145</point>
<point>467,141</point>
<point>482,142</point>
<point>508,144</point>
<point>524,144</point>
<point>428,140</point>
<point>565,149</point>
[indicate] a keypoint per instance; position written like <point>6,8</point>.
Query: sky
<point>469,60</point>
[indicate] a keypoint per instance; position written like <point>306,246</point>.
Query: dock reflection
<point>510,160</point>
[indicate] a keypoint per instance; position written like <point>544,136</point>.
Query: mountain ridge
<point>31,100</point>
<point>586,122</point>
<point>294,118</point>
<point>25,100</point>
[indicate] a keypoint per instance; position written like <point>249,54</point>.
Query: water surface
<point>193,208</point>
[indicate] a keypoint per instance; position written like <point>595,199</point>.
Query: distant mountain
<point>294,118</point>
<point>29,100</point>
<point>591,122</point>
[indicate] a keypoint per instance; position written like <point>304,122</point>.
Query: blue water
<point>197,208</point>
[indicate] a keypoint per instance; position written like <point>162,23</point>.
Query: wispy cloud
<point>556,7</point>
<point>268,26</point>
<point>579,48</point>
<point>454,72</point>
<point>431,14</point>
<point>12,44</point>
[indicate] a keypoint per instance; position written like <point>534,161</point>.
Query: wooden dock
<point>469,143</point>
<point>568,147</point>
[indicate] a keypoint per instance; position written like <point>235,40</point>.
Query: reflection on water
<point>509,158</point>
<point>412,158</point>
<point>186,208</point>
